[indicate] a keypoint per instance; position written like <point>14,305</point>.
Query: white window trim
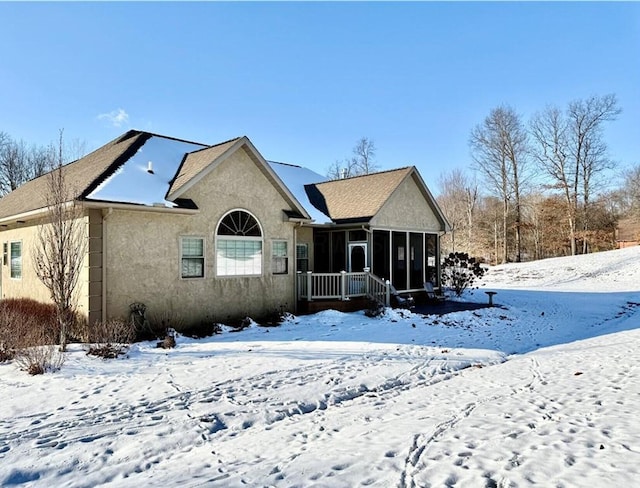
<point>204,257</point>
<point>304,245</point>
<point>286,242</point>
<point>235,239</point>
<point>217,238</point>
<point>21,260</point>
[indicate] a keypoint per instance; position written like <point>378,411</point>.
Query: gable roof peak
<point>133,132</point>
<point>375,173</point>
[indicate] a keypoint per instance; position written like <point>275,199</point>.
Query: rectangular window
<point>279,257</point>
<point>5,253</point>
<point>238,257</point>
<point>16,260</point>
<point>192,255</point>
<point>302,257</point>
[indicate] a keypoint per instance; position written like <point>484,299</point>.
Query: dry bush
<point>25,323</point>
<point>162,323</point>
<point>34,349</point>
<point>110,339</point>
<point>155,326</point>
<point>205,328</point>
<point>169,342</point>
<point>22,318</point>
<point>39,359</point>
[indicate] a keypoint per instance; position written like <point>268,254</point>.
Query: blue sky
<point>306,80</point>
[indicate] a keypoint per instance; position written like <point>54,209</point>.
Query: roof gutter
<point>141,208</point>
<point>299,220</point>
<point>30,214</point>
<point>101,205</point>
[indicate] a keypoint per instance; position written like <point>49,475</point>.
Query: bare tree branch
<point>361,162</point>
<point>60,247</point>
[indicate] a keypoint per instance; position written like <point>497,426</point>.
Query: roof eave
<point>140,207</point>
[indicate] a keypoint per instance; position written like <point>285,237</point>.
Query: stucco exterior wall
<point>29,286</point>
<point>407,209</point>
<point>143,261</point>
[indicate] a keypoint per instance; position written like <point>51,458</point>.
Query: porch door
<point>358,259</point>
<point>357,262</point>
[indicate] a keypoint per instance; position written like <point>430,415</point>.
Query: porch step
<point>357,303</point>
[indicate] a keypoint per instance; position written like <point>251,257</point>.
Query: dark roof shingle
<point>359,197</point>
<point>81,175</point>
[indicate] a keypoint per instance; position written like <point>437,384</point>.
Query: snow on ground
<point>543,390</point>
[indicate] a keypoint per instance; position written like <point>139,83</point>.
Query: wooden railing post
<point>387,298</point>
<point>309,286</point>
<point>343,285</point>
<point>366,281</point>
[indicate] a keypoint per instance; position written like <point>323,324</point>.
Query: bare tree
<point>60,248</point>
<point>589,151</point>
<point>339,169</point>
<point>569,147</point>
<point>13,165</point>
<point>40,160</point>
<point>363,159</point>
<point>499,150</point>
<point>361,162</point>
<point>458,200</point>
<point>20,163</point>
<point>628,195</point>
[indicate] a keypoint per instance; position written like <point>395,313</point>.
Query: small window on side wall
<point>5,253</point>
<point>192,255</point>
<point>280,258</point>
<point>302,257</point>
<point>16,260</point>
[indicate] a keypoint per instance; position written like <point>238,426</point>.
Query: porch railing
<point>342,286</point>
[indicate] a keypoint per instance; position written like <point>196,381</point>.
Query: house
<point>213,232</point>
<point>628,232</point>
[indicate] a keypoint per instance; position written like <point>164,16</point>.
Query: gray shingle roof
<point>195,162</point>
<point>81,175</point>
<point>359,197</point>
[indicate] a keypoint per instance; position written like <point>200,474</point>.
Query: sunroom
<point>367,232</point>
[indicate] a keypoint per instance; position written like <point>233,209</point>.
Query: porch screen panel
<point>432,256</point>
<point>399,260</point>
<point>380,253</point>
<point>322,252</point>
<point>416,261</point>
<point>338,245</point>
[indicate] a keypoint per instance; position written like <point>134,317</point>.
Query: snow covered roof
<point>146,176</point>
<point>296,178</point>
<point>82,175</point>
<point>141,168</point>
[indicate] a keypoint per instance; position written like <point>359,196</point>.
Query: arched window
<point>238,245</point>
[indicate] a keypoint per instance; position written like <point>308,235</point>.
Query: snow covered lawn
<point>543,390</point>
